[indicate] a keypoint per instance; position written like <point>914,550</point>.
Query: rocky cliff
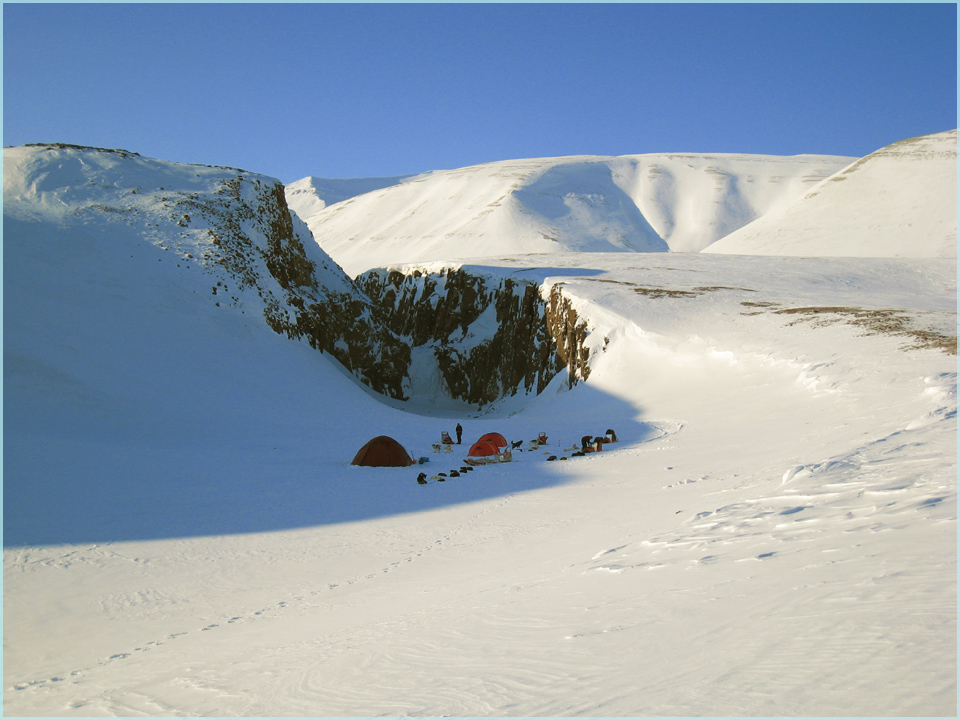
<point>233,226</point>
<point>224,238</point>
<point>315,299</point>
<point>491,335</point>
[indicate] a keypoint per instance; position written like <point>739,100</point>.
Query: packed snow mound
<point>634,203</point>
<point>308,196</point>
<point>900,201</point>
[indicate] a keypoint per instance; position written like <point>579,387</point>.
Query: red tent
<point>383,451</point>
<point>483,448</point>
<point>496,438</point>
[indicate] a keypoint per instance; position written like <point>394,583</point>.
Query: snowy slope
<point>309,195</point>
<point>773,534</point>
<point>117,325</point>
<point>640,203</point>
<point>228,233</point>
<point>900,201</point>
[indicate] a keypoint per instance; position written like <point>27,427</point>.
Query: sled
<point>476,460</point>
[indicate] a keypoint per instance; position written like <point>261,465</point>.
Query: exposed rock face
<point>232,225</point>
<point>320,304</point>
<point>236,246</point>
<point>491,336</point>
<point>569,332</point>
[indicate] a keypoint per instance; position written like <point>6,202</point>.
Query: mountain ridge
<point>872,208</point>
<point>633,203</point>
<point>63,203</point>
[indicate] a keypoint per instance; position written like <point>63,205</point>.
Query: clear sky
<point>352,90</point>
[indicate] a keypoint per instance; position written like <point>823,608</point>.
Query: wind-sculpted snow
<point>900,201</point>
<point>773,533</point>
<point>635,203</point>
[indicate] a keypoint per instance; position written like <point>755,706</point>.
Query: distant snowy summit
<point>309,195</point>
<point>635,203</point>
<point>900,201</point>
<point>897,202</point>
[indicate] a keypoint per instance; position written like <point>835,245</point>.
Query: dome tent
<point>496,438</point>
<point>486,451</point>
<point>382,451</point>
<point>483,448</point>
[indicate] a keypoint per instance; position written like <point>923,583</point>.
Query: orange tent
<point>383,451</point>
<point>483,448</point>
<point>496,438</point>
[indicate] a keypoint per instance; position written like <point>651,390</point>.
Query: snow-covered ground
<point>773,534</point>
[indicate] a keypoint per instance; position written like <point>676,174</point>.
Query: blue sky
<point>352,90</point>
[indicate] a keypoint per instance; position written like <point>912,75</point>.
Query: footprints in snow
<point>860,492</point>
<point>688,481</point>
<point>40,685</point>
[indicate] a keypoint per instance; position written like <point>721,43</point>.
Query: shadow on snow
<point>69,491</point>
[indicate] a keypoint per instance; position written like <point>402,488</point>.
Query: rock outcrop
<point>491,335</point>
<point>315,299</point>
<point>234,226</point>
<point>235,246</point>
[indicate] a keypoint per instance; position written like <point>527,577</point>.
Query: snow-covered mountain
<point>309,195</point>
<point>773,533</point>
<point>638,203</point>
<point>900,201</point>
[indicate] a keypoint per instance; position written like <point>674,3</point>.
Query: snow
<point>308,196</point>
<point>773,534</point>
<point>634,203</point>
<point>900,201</point>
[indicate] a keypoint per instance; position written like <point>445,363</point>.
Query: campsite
<point>490,448</point>
<point>339,447</point>
<point>220,554</point>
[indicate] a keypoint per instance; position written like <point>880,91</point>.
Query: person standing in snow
<point>459,433</point>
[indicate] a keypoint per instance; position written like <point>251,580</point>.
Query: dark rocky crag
<point>569,331</point>
<point>249,223</point>
<point>491,336</point>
